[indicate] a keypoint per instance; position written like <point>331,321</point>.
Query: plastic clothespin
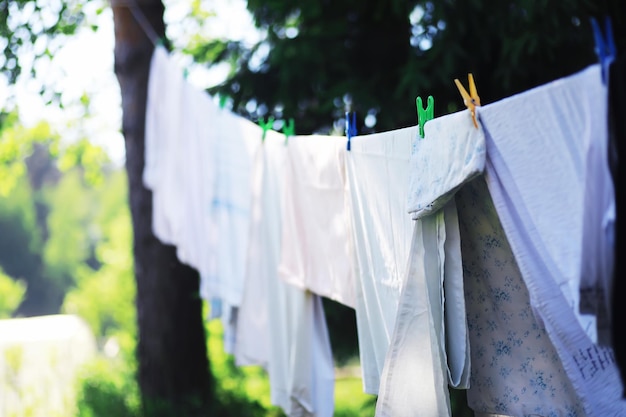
<point>471,100</point>
<point>223,101</point>
<point>185,73</point>
<point>266,126</point>
<point>424,115</point>
<point>605,46</point>
<point>289,129</point>
<point>350,127</point>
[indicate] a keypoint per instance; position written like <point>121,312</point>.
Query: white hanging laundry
<point>430,348</point>
<point>237,144</point>
<point>156,111</point>
<point>598,241</point>
<point>516,370</point>
<point>536,145</point>
<point>280,326</point>
<point>440,166</point>
<point>415,378</point>
<point>166,103</point>
<point>378,174</point>
<point>197,229</point>
<point>317,240</point>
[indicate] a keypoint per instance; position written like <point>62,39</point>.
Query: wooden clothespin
<point>289,129</point>
<point>424,115</point>
<point>471,100</point>
<point>266,126</point>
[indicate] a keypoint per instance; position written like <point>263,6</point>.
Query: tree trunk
<point>173,371</point>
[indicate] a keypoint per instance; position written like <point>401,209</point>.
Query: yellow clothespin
<point>471,100</point>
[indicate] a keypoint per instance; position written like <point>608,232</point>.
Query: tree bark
<point>173,368</point>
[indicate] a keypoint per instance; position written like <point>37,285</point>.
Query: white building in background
<point>39,361</point>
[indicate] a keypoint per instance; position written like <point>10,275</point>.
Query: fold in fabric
<point>279,326</point>
<point>164,110</point>
<point>430,345</point>
<point>451,153</point>
<point>378,172</point>
<point>317,240</point>
<point>427,351</point>
<point>536,145</point>
<point>196,239</point>
<point>238,144</point>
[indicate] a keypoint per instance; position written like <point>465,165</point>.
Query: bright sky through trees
<point>83,70</point>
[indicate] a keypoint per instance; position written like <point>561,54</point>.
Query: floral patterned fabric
<point>516,370</point>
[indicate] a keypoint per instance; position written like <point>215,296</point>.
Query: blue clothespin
<point>350,127</point>
<point>605,47</point>
<point>289,129</point>
<point>424,115</point>
<point>266,126</point>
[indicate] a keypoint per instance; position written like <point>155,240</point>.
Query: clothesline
<point>404,230</point>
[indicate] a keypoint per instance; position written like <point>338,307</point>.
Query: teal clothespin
<point>424,115</point>
<point>185,73</point>
<point>266,126</point>
<point>289,129</point>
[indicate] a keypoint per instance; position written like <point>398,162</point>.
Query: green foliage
<point>350,400</point>
<point>47,215</point>
<point>104,296</point>
<point>239,391</point>
<point>17,143</point>
<point>71,206</point>
<point>30,25</point>
<point>20,238</point>
<point>319,59</point>
<point>11,294</point>
<point>90,158</point>
<point>108,388</point>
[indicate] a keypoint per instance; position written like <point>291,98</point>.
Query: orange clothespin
<point>471,100</point>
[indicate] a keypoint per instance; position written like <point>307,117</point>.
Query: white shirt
<point>378,175</point>
<point>317,239</point>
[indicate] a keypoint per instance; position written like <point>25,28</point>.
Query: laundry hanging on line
<point>378,231</point>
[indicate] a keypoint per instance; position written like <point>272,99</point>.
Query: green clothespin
<point>424,115</point>
<point>266,126</point>
<point>185,72</point>
<point>223,101</point>
<point>289,129</point>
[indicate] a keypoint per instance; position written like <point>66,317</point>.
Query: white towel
<point>449,155</point>
<point>378,173</point>
<point>237,145</point>
<point>156,113</point>
<point>279,326</point>
<point>317,240</point>
<point>196,238</point>
<point>536,173</point>
<point>165,105</point>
